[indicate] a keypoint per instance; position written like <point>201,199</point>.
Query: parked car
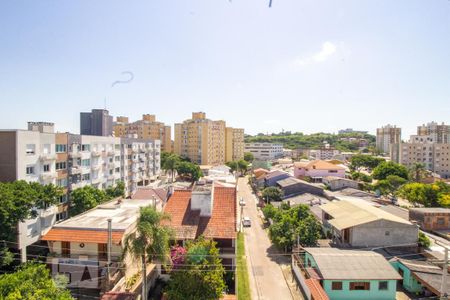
<point>242,202</point>
<point>246,222</point>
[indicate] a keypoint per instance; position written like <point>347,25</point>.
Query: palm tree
<point>418,171</point>
<point>150,240</point>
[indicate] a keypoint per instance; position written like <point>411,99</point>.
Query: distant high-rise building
<point>97,122</point>
<point>437,133</point>
<point>386,136</point>
<point>206,142</point>
<point>147,128</point>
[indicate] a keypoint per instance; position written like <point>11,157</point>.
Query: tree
<point>272,194</point>
<point>424,241</point>
<point>418,171</point>
<point>31,281</point>
<point>249,157</point>
<point>361,177</point>
<point>389,185</point>
<point>360,160</point>
<point>242,166</point>
<point>232,165</point>
<point>383,170</point>
<point>117,191</point>
<point>85,198</point>
<point>149,240</point>
<point>202,277</point>
<point>189,169</point>
<point>428,195</point>
<point>170,164</point>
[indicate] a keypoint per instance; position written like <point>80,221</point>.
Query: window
<point>85,176</point>
<point>60,148</point>
<point>86,162</point>
<point>61,182</point>
<point>63,199</point>
<point>85,147</point>
<point>440,221</point>
<point>61,216</point>
<point>30,170</point>
<point>358,286</point>
<point>31,149</point>
<point>60,165</point>
<point>46,168</point>
<point>336,285</point>
<point>383,285</point>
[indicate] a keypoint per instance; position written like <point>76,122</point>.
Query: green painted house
<point>352,274</point>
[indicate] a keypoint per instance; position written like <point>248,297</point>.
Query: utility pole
<point>109,253</point>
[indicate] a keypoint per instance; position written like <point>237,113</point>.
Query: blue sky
<point>302,65</point>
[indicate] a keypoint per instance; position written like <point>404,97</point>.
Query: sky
<point>300,65</point>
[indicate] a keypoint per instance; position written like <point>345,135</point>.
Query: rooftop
<point>275,173</point>
<point>340,264</point>
<point>431,210</point>
<point>347,214</point>
<point>144,193</point>
<point>318,165</point>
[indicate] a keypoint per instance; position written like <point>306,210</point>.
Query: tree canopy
<point>389,185</point>
<point>190,170</point>
<point>428,195</point>
<point>359,161</point>
<point>384,169</point>
<point>202,276</point>
<point>32,282</point>
<point>272,194</point>
<point>249,157</point>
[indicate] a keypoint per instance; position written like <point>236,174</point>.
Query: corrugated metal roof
<point>348,214</point>
<point>340,264</point>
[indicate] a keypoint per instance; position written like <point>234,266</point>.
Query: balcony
<point>110,153</point>
<point>96,180</point>
<point>96,167</point>
<point>96,153</point>
<point>77,185</point>
<point>75,170</point>
<point>48,176</point>
<point>47,156</point>
<point>74,154</point>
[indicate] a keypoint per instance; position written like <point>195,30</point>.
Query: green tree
<point>272,194</point>
<point>418,171</point>
<point>242,166</point>
<point>361,177</point>
<point>383,170</point>
<point>85,198</point>
<point>203,275</point>
<point>249,157</point>
<point>190,170</point>
<point>150,240</point>
<point>170,164</point>
<point>359,161</point>
<point>232,165</point>
<point>31,282</point>
<point>117,191</point>
<point>389,185</point>
<point>428,195</point>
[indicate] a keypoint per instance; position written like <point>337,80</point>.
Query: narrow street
<point>263,260</point>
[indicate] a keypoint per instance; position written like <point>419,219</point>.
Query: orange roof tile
<point>317,292</point>
<point>82,236</point>
<point>318,165</point>
<point>188,224</point>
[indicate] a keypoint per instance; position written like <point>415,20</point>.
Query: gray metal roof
<point>341,264</point>
<point>431,210</point>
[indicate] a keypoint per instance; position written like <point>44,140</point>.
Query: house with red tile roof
<point>208,210</point>
<point>317,169</point>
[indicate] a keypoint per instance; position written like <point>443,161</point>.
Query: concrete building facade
<point>96,122</point>
<point>386,136</point>
<point>264,151</point>
<point>147,128</point>
<point>234,144</point>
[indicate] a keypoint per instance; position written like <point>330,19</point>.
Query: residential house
<point>420,277</point>
<point>273,177</point>
<point>345,274</point>
<point>317,169</point>
<point>79,245</point>
<point>431,218</point>
<point>208,210</point>
<point>360,224</point>
<point>292,186</point>
<point>338,183</point>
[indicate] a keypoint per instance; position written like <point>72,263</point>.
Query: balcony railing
<point>47,156</point>
<point>48,176</point>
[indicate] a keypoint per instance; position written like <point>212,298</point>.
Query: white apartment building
<point>265,151</point>
<point>323,153</point>
<point>72,161</point>
<point>386,136</point>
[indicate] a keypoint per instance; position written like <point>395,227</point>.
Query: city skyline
<point>270,69</point>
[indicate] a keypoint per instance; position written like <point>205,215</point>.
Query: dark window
<point>336,285</point>
<point>383,285</point>
<point>358,286</point>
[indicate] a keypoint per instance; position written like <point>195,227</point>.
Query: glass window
<point>86,162</point>
<point>60,165</point>
<point>336,285</point>
<point>60,148</point>
<point>85,147</point>
<point>358,286</point>
<point>85,176</point>
<point>61,182</point>
<point>30,170</point>
<point>383,285</point>
<point>46,168</point>
<point>30,149</point>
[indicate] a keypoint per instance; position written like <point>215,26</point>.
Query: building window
<point>61,216</point>
<point>61,182</point>
<point>336,285</point>
<point>440,221</point>
<point>31,149</point>
<point>86,162</point>
<point>383,285</point>
<point>358,286</point>
<point>46,168</point>
<point>85,177</point>
<point>63,199</point>
<point>60,148</point>
<point>60,165</point>
<point>30,170</point>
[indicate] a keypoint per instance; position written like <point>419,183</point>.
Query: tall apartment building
<point>264,151</point>
<point>147,128</point>
<point>234,144</point>
<point>97,122</point>
<point>72,161</point>
<point>386,136</point>
<point>431,147</point>
<point>204,141</point>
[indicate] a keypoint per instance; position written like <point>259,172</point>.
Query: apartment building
<point>147,128</point>
<point>234,144</point>
<point>438,133</point>
<point>72,161</point>
<point>264,151</point>
<point>204,141</point>
<point>386,136</point>
<point>324,153</point>
<point>96,122</point>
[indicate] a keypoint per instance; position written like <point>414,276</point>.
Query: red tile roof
<point>317,292</point>
<point>82,236</point>
<point>188,224</point>
<point>148,193</point>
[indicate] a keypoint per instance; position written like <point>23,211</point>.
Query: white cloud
<point>328,49</point>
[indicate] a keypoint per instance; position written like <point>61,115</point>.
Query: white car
<point>242,202</point>
<point>246,222</point>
